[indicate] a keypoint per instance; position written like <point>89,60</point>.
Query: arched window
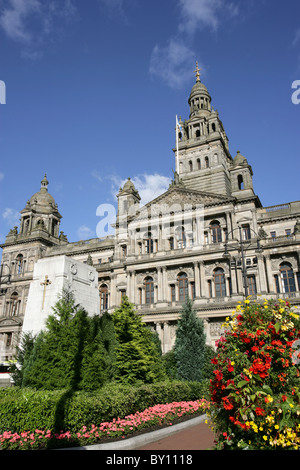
<point>198,133</point>
<point>191,165</point>
<point>206,162</point>
<point>14,304</point>
<point>19,264</point>
<point>149,290</point>
<point>198,164</point>
<point>149,243</point>
<point>216,232</point>
<point>240,182</point>
<point>219,278</point>
<point>213,127</point>
<point>287,277</point>
<point>181,237</point>
<point>182,287</point>
<point>103,297</point>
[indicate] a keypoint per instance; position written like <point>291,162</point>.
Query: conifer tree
<point>189,349</point>
<point>137,354</point>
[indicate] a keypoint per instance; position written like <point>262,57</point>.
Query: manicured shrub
<point>255,390</point>
<point>64,410</point>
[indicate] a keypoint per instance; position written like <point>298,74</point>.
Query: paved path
<point>193,434</point>
<point>197,437</point>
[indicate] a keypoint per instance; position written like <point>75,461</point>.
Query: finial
<point>197,72</point>
<point>44,182</point>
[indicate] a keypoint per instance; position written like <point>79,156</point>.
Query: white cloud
<point>148,186</point>
<point>11,217</point>
<point>197,14</point>
<point>296,37</point>
<point>172,63</point>
<point>96,175</point>
<point>30,22</point>
<point>85,232</point>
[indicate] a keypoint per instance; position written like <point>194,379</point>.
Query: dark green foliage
<point>170,364</point>
<point>208,367</point>
<point>23,351</point>
<point>137,355</point>
<point>71,353</point>
<point>23,409</point>
<point>189,347</point>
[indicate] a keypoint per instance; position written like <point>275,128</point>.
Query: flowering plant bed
<point>255,394</point>
<point>152,418</point>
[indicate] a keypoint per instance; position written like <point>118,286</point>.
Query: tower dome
<point>42,200</point>
<point>41,213</point>
<point>199,99</point>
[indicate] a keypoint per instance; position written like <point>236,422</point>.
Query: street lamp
<point>4,278</point>
<point>242,245</point>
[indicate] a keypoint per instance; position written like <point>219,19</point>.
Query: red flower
<point>284,398</point>
<point>260,411</point>
<point>227,404</point>
<point>254,348</point>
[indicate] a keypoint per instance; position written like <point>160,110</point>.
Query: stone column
<point>269,274</point>
<point>202,280</point>
<point>261,274</point>
<point>164,284</point>
<point>234,285</point>
<point>197,279</point>
<point>159,284</point>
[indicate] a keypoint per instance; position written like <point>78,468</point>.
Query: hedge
<point>64,410</point>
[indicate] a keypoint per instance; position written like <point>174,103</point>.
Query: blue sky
<point>93,88</point>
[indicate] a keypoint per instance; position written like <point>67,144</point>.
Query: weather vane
<point>197,72</point>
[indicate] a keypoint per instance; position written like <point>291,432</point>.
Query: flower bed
<point>255,394</point>
<point>156,416</point>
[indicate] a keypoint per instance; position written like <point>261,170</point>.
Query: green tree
<point>23,352</point>
<point>189,349</point>
<point>56,358</point>
<point>98,362</point>
<point>137,354</point>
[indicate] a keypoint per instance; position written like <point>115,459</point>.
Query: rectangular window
<point>246,232</point>
<point>193,291</point>
<point>288,232</point>
<point>173,295</point>
<point>273,235</point>
<point>251,281</point>
<point>277,283</point>
<point>171,243</point>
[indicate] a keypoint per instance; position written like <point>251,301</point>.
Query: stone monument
<point>50,277</point>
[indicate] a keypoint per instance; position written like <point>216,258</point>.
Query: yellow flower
<point>265,438</point>
<point>247,301</point>
<point>291,405</point>
<point>276,426</point>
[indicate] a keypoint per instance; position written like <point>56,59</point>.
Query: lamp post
<point>242,246</point>
<point>4,279</point>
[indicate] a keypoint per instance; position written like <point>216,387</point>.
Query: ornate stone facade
<point>208,236</point>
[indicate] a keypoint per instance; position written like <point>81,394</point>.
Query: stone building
<point>208,236</point>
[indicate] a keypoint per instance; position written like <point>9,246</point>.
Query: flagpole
<point>177,147</point>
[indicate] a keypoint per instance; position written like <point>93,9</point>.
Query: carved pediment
<point>178,198</point>
<point>10,322</point>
